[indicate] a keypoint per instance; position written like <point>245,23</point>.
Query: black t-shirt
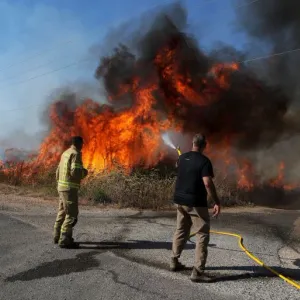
<point>190,189</point>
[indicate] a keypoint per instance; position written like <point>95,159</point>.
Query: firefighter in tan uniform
<point>69,174</point>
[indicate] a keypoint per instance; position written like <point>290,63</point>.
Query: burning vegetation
<point>165,83</point>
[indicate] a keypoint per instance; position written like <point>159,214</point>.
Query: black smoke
<point>253,111</point>
<point>274,26</point>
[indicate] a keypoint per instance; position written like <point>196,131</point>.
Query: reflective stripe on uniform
<point>78,166</point>
<point>68,184</point>
<point>64,176</point>
<point>69,176</point>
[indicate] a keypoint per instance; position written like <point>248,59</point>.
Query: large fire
<point>166,91</point>
<point>133,136</point>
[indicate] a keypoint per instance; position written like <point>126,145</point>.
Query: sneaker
<point>72,245</point>
<point>175,265</point>
<point>200,276</point>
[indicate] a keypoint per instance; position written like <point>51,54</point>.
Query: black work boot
<point>56,239</point>
<point>72,245</point>
<point>67,242</point>
<point>175,265</point>
<point>199,276</point>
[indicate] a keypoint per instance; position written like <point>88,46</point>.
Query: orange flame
<point>131,137</point>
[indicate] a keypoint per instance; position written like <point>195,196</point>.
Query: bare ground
<point>122,237</point>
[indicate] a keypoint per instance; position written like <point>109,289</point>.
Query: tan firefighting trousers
<point>67,216</point>
<point>199,218</point>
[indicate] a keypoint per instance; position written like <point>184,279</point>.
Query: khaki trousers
<point>198,217</point>
<point>67,216</point>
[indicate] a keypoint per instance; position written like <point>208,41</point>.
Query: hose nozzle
<point>178,150</point>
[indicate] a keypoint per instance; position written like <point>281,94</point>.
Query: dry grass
<point>39,184</point>
<point>229,193</point>
<point>145,191</point>
<point>152,189</point>
<point>136,190</point>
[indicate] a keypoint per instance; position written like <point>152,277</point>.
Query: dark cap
<point>76,140</point>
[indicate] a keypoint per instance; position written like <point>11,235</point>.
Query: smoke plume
<point>251,112</point>
<point>274,25</point>
<point>158,79</point>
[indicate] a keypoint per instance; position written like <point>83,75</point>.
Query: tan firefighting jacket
<point>70,170</point>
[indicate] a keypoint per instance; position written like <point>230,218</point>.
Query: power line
<point>50,72</point>
<point>36,55</point>
<point>75,63</point>
<point>272,55</point>
<point>28,70</point>
<point>72,41</point>
<point>61,43</point>
<point>69,41</point>
<point>20,108</point>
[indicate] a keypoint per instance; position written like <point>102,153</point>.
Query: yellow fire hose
<point>253,257</point>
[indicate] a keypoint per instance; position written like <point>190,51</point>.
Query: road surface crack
<point>115,278</point>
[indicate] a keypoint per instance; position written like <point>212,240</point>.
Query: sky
<point>47,44</point>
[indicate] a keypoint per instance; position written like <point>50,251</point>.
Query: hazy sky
<point>41,40</point>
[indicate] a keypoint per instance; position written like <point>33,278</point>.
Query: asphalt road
<point>125,254</point>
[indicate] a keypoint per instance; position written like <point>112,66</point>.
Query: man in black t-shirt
<point>194,182</point>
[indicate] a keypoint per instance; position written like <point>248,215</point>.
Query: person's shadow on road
<point>247,271</point>
<point>87,261</point>
<point>133,244</point>
<point>84,261</point>
<point>252,272</point>
<point>80,263</point>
